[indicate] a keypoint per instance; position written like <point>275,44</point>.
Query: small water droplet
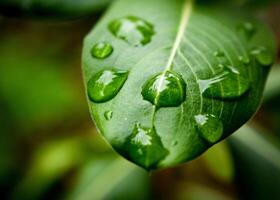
<point>210,128</point>
<point>174,143</point>
<point>144,147</point>
<point>222,59</point>
<point>101,50</point>
<point>228,84</point>
<point>219,53</point>
<point>248,29</point>
<point>262,55</point>
<point>233,69</point>
<point>167,89</point>
<point>244,59</point>
<point>108,115</point>
<point>133,30</point>
<point>106,84</point>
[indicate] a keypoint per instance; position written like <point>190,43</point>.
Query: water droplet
<point>244,59</point>
<point>210,128</point>
<point>144,147</point>
<point>167,89</point>
<point>133,30</point>
<point>248,29</point>
<point>108,115</point>
<point>262,55</point>
<point>233,69</point>
<point>219,53</point>
<point>228,84</point>
<point>101,50</point>
<point>174,143</point>
<point>106,84</point>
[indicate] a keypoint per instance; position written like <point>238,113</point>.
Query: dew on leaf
<point>221,85</point>
<point>248,29</point>
<point>106,84</point>
<point>144,147</point>
<point>167,89</point>
<point>101,50</point>
<point>108,115</point>
<point>219,53</point>
<point>262,55</point>
<point>209,127</point>
<point>244,59</point>
<point>174,143</point>
<point>133,30</point>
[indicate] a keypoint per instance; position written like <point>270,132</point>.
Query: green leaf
<point>218,161</point>
<point>111,178</point>
<point>194,77</point>
<point>257,163</point>
<point>50,162</point>
<point>272,88</point>
<point>32,103</point>
<point>52,8</point>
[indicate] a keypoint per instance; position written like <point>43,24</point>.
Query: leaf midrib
<point>184,20</point>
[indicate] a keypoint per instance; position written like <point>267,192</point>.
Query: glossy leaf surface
<point>192,84</point>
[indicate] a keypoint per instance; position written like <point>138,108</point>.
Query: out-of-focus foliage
<point>257,164</point>
<point>98,180</point>
<point>55,9</point>
<point>246,3</point>
<point>34,86</point>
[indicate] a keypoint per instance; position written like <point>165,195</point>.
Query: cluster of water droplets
<point>221,85</point>
<point>259,53</point>
<point>168,89</point>
<point>143,145</point>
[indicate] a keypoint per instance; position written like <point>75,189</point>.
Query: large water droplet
<point>106,84</point>
<point>167,89</point>
<point>108,115</point>
<point>101,50</point>
<point>210,128</point>
<point>133,30</point>
<point>228,84</point>
<point>144,147</point>
<point>262,55</point>
<point>248,29</point>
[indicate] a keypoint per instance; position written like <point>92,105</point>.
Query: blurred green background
<point>50,149</point>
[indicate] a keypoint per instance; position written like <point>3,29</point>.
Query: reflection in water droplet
<point>228,84</point>
<point>262,55</point>
<point>248,29</point>
<point>167,89</point>
<point>106,84</point>
<point>144,147</point>
<point>108,115</point>
<point>101,50</point>
<point>133,30</point>
<point>210,128</point>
